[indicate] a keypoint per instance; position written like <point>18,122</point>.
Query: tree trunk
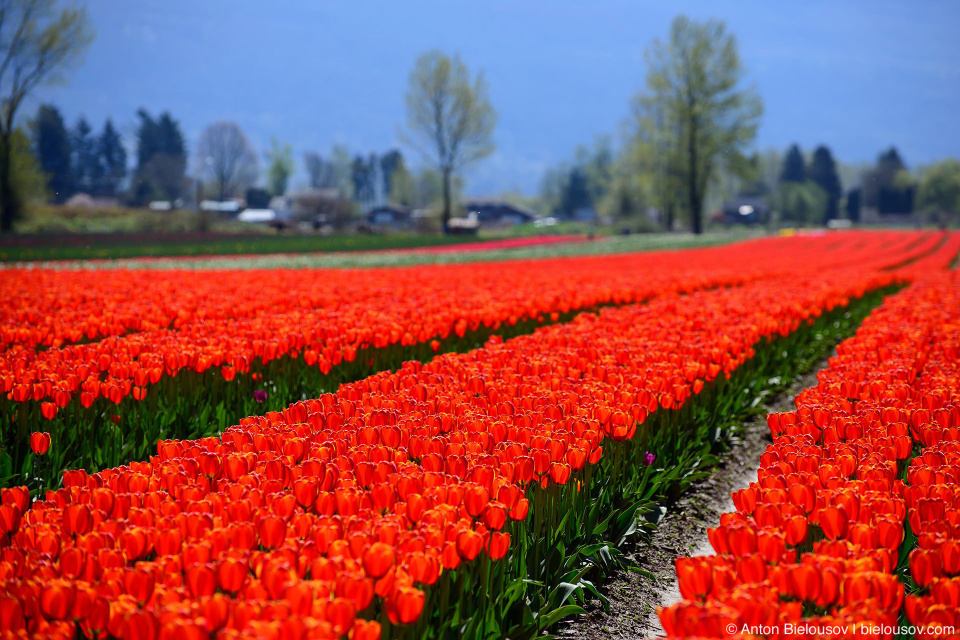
<point>696,215</point>
<point>8,201</point>
<point>446,201</point>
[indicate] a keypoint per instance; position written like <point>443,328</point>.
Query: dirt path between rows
<point>634,598</point>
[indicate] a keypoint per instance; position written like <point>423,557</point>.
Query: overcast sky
<point>857,76</point>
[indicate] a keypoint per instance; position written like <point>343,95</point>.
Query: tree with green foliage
<point>279,167</point>
<point>598,179</point>
<point>401,184</point>
<point>823,171</point>
<point>449,117</point>
<point>939,190</point>
<point>28,180</point>
<point>623,194</point>
<point>51,146</point>
<point>802,203</point>
<point>552,184</point>
<point>794,167</point>
<point>657,153</point>
<point>694,90</point>
<point>38,41</point>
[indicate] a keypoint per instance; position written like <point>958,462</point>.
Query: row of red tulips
<point>231,319</point>
<point>309,523</point>
<point>108,402</point>
<point>857,499</point>
<point>43,307</point>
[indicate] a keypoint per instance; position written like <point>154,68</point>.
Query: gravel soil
<point>634,598</point>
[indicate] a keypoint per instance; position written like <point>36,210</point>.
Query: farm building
<point>494,212</point>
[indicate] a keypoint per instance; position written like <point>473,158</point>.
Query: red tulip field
<point>461,451</point>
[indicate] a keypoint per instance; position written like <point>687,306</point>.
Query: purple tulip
<point>649,458</point>
<point>260,395</point>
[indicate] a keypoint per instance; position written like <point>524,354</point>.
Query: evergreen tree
<point>823,171</point>
<point>148,139</point>
<point>51,146</point>
<point>881,189</point>
<point>112,160</point>
<point>853,204</point>
<point>161,158</point>
<point>389,162</point>
<point>171,138</point>
<point>576,194</point>
<point>793,166</point>
<point>362,175</point>
<point>889,164</point>
<point>84,160</point>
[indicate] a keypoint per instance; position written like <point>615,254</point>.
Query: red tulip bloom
<point>40,443</point>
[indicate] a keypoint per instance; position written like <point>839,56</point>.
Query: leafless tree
<point>226,159</point>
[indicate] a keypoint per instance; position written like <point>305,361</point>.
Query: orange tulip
<point>833,521</point>
<point>377,559</point>
<point>405,605</point>
<point>469,544</point>
<point>340,614</point>
<point>11,613</point>
<point>201,580</point>
<point>231,574</point>
<point>77,520</point>
<point>366,630</point>
<point>694,577</point>
<point>56,599</point>
<point>139,583</point>
<point>40,443</point>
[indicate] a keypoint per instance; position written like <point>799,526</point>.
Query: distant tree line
<point>374,179</point>
<point>78,159</point>
<point>685,152</point>
<point>886,188</point>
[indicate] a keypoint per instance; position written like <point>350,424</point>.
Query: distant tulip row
<point>857,499</point>
<point>340,515</point>
<point>150,324</point>
<point>57,307</point>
